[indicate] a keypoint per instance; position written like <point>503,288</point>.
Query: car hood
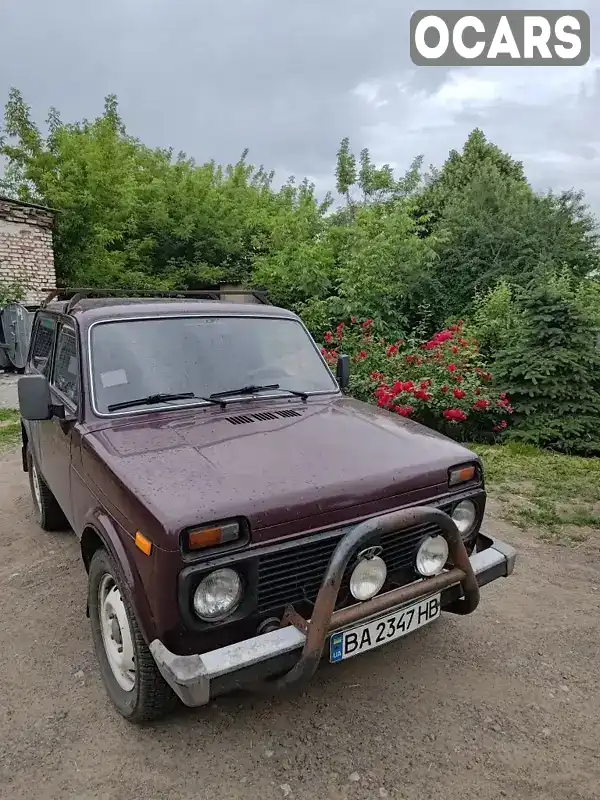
<point>286,467</point>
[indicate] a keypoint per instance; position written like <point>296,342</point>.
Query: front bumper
<point>291,653</point>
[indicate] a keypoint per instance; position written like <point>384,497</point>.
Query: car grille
<point>294,575</point>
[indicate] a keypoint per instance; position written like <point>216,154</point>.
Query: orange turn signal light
<point>143,544</point>
<point>461,475</point>
<point>212,537</point>
<point>209,537</point>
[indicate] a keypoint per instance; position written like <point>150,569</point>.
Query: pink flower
<point>404,411</point>
<point>451,367</point>
<point>328,337</point>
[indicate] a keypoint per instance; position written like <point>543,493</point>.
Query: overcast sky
<point>290,78</point>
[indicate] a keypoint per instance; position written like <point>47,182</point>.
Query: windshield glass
<point>137,358</point>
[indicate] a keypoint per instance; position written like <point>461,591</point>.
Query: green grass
<point>557,494</point>
<point>10,428</point>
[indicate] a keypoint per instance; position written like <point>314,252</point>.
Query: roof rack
<point>74,295</point>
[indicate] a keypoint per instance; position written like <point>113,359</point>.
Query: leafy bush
<point>10,293</point>
<point>442,383</point>
<point>552,371</point>
<point>494,319</point>
<point>587,295</point>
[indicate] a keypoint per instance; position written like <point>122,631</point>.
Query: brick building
<point>26,254</point>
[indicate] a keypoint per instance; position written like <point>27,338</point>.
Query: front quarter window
<point>133,359</point>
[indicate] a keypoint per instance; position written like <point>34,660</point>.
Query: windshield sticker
<point>116,377</point>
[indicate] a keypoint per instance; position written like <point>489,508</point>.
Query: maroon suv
<point>238,515</point>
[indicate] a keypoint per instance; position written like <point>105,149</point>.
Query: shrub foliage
<point>552,371</point>
<point>442,382</point>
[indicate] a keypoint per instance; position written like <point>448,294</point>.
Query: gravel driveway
<point>8,390</point>
<point>504,703</point>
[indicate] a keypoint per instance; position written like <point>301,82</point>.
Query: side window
<point>43,339</point>
<point>66,368</point>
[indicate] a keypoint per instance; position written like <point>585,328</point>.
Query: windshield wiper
<point>154,399</point>
<point>255,390</point>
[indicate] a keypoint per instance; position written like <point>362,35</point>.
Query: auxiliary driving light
<point>368,576</point>
<point>431,556</point>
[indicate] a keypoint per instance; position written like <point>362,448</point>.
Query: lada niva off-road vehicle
<point>239,517</point>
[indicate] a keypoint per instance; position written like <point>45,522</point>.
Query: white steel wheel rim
<point>37,489</point>
<point>116,633</point>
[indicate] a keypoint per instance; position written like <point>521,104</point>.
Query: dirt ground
<point>503,703</point>
<point>8,389</point>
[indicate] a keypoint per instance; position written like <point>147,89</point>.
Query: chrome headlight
<point>431,556</point>
<point>367,578</point>
<point>465,517</point>
<point>218,595</point>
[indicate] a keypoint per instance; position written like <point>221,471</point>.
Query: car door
<point>41,350</point>
<point>56,433</point>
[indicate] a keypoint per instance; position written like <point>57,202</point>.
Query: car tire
<point>134,685</point>
<point>48,513</point>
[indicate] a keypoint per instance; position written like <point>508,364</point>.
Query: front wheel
<point>130,675</point>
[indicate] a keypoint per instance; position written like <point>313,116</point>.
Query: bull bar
<point>271,661</point>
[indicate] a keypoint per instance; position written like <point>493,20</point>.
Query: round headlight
<point>431,556</point>
<point>218,595</point>
<point>367,578</point>
<point>464,516</point>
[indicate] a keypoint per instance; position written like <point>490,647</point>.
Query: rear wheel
<point>48,513</point>
<point>131,677</point>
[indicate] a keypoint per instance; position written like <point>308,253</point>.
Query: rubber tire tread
<point>151,697</point>
<point>50,516</point>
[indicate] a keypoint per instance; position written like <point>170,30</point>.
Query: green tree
<point>444,185</point>
<point>136,217</point>
<point>497,228</point>
<point>494,320</point>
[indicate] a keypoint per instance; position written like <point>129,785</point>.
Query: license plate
<point>385,629</point>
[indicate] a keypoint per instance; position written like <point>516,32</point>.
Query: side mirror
<point>343,372</point>
<point>35,402</point>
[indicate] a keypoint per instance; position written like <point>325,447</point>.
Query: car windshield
<point>138,358</point>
